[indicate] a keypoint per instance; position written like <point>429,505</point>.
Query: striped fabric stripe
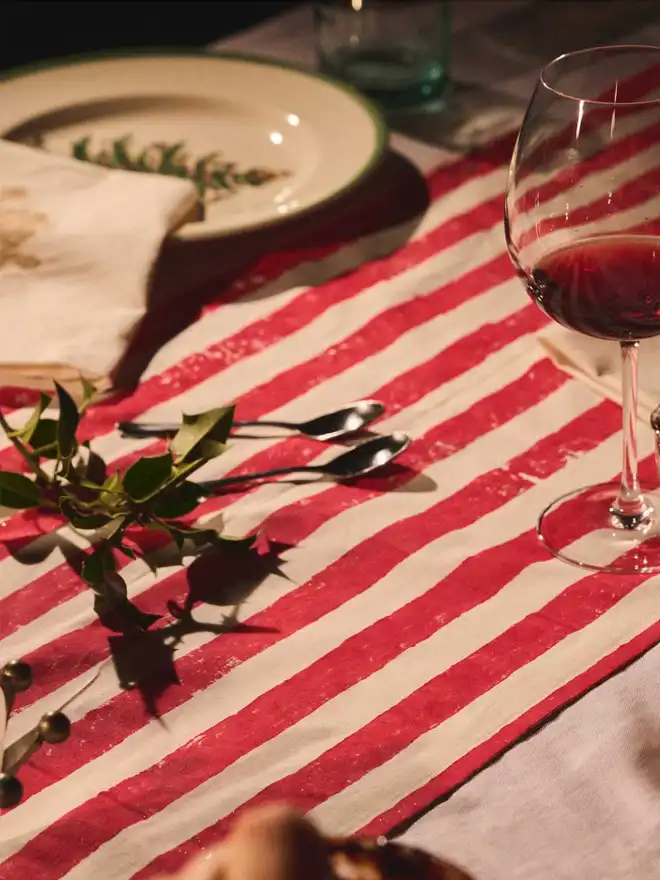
<point>420,627</point>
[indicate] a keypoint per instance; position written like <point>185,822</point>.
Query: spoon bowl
<point>366,457</point>
<point>355,462</point>
<point>342,422</point>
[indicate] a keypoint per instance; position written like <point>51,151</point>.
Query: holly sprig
<point>155,492</point>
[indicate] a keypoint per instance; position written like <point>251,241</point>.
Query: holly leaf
<point>112,491</point>
<point>110,591</point>
<point>95,566</point>
<point>208,449</point>
<point>147,476</point>
<point>28,429</point>
<point>81,519</point>
<point>181,470</point>
<point>44,438</point>
<point>115,532</point>
<point>67,424</point>
<point>95,469</point>
<point>88,394</point>
<point>18,491</point>
<point>88,484</point>
<point>177,501</point>
<point>212,426</point>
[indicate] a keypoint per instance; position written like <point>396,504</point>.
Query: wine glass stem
<point>630,508</point>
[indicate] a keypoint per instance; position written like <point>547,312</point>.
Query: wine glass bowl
<point>582,224</point>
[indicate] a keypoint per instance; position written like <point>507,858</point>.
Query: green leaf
<point>67,424</point>
<point>88,394</point>
<point>147,476</point>
<point>95,469</point>
<point>30,458</point>
<point>113,484</point>
<point>177,501</point>
<point>213,425</point>
<point>88,484</point>
<point>208,449</point>
<point>18,492</point>
<point>115,531</point>
<point>112,491</point>
<point>183,469</point>
<point>82,520</point>
<point>95,566</point>
<point>44,438</point>
<point>28,429</point>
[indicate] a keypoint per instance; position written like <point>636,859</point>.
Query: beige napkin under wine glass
<point>78,244</point>
<point>598,363</point>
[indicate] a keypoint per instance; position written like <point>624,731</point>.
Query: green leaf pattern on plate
<point>213,176</point>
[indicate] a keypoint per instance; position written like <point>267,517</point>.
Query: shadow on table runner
<point>192,276</point>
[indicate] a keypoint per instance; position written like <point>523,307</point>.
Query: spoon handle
<point>213,485</point>
<point>267,423</point>
<point>168,429</point>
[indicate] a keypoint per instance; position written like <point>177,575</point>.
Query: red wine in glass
<point>607,286</point>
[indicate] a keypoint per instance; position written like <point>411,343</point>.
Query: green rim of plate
<point>380,126</point>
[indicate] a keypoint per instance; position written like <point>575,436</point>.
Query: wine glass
<point>582,223</point>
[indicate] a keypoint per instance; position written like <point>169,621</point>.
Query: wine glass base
<point>602,544</point>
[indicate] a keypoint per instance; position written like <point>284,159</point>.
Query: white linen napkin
<point>78,244</point>
<point>598,363</point>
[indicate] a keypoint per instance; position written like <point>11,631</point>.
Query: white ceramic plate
<point>313,135</point>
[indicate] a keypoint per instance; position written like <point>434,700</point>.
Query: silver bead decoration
<point>11,791</point>
<point>16,675</point>
<point>54,728</point>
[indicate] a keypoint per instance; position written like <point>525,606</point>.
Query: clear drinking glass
<point>395,51</point>
<point>582,223</point>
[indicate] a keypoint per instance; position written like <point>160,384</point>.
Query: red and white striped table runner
<point>420,627</point>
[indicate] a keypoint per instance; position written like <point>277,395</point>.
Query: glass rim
<point>593,50</point>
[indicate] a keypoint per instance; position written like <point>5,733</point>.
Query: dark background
<point>32,31</point>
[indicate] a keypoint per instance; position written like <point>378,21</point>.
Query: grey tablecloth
<point>579,799</point>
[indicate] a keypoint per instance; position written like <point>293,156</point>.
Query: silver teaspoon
<point>329,426</point>
<point>355,462</point>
